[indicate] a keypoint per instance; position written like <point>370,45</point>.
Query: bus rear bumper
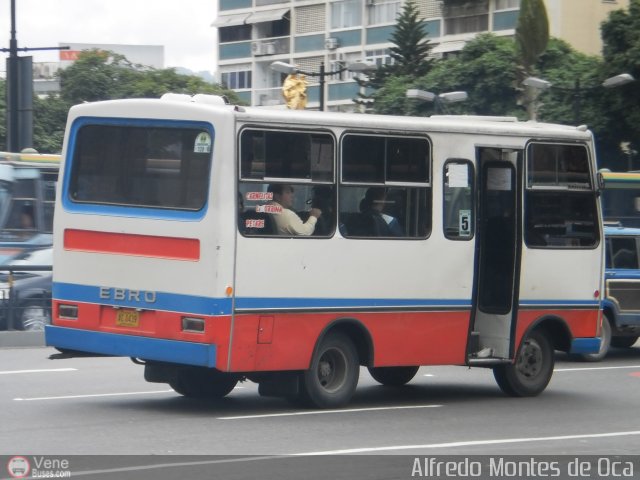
<point>144,348</point>
<point>585,345</point>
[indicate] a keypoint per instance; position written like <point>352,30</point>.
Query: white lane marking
<point>67,397</point>
<point>594,368</point>
<point>471,443</point>
<point>41,370</point>
<point>325,412</point>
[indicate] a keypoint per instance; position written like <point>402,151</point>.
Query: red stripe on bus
<point>132,244</point>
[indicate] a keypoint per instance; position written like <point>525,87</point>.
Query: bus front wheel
<point>393,376</point>
<point>530,374</point>
<point>333,376</point>
<point>198,382</point>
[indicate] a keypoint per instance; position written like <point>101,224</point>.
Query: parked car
<point>25,295</point>
<point>621,306</point>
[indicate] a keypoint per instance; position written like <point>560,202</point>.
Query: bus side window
<point>296,159</point>
<point>385,190</point>
<point>458,220</point>
<point>560,207</point>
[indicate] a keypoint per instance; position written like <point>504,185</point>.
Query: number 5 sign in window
<point>458,200</point>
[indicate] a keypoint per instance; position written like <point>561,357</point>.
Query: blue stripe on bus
<point>174,351</point>
<point>223,306</point>
<point>258,303</point>
<point>172,302</point>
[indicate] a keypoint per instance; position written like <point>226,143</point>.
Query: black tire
<point>34,315</point>
<point>393,376</point>
<point>623,342</point>
<point>532,370</point>
<point>200,382</point>
<point>332,378</point>
<point>605,343</point>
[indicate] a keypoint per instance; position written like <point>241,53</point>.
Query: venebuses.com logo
<point>38,467</point>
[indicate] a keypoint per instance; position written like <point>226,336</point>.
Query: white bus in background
<point>27,199</point>
<point>168,247</point>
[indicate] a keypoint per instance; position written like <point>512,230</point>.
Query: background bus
<point>621,198</point>
<point>164,248</point>
<point>27,200</point>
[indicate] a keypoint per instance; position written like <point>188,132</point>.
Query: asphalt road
<point>103,406</point>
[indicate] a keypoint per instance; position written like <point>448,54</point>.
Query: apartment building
<point>329,34</point>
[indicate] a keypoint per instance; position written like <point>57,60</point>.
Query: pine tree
<point>410,52</point>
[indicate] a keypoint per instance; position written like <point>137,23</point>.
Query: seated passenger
<point>372,205</point>
<point>287,221</point>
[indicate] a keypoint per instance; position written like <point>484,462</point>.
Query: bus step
<point>486,362</point>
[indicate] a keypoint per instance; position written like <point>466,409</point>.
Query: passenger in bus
<point>287,221</point>
<point>27,218</point>
<point>372,206</point>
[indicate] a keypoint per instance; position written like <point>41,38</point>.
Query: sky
<point>182,26</point>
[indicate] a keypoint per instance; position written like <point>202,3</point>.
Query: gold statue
<point>294,91</point>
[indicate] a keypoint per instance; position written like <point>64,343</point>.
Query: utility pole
<point>20,91</point>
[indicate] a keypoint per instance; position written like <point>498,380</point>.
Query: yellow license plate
<point>127,318</point>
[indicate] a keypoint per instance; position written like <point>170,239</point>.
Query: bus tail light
<point>68,312</point>
<point>191,324</point>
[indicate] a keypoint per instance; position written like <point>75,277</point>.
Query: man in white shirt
<point>287,221</point>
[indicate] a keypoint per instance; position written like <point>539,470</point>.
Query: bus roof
<point>489,125</point>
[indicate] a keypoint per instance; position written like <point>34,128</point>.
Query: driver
<point>287,221</point>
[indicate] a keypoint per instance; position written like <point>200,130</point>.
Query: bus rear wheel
<point>198,382</point>
<point>393,376</point>
<point>530,374</point>
<point>333,377</point>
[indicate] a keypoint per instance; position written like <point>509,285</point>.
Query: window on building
<point>345,14</point>
<point>507,4</point>
<point>236,80</point>
<point>385,187</point>
<point>383,11</point>
<point>458,200</point>
<point>560,202</point>
<point>464,16</point>
<point>236,33</point>
<point>379,57</point>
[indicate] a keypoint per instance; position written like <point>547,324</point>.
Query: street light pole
<point>321,74</point>
<point>538,85</point>
<point>19,91</point>
<point>439,101</point>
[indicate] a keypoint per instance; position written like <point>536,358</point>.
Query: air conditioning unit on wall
<point>263,48</point>
<point>331,43</point>
<point>256,48</point>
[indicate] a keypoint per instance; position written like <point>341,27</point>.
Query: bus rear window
<point>142,166</point>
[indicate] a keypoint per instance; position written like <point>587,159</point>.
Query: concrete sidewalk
<point>21,339</point>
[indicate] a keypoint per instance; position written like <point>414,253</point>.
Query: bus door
<point>497,260</point>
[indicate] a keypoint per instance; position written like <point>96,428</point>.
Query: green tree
<point>485,69</point>
<point>410,56</point>
<point>621,54</point>
<point>99,75</point>
<point>532,37</point>
<point>49,120</point>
